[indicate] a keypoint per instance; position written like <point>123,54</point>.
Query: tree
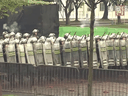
<point>77,4</point>
<point>92,5</point>
<point>10,5</point>
<point>68,8</point>
<point>118,3</point>
<point>106,5</point>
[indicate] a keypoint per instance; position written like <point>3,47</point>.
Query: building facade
<point>84,11</point>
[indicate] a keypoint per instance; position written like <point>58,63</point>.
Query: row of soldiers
<point>70,51</point>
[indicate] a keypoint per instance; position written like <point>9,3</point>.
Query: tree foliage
<point>10,5</point>
<point>78,3</point>
<point>118,2</point>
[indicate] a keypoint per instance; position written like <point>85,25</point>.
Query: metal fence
<point>62,81</point>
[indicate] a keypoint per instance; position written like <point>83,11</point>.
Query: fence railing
<point>62,81</point>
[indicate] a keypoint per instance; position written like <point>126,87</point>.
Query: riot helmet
<point>51,35</point>
<point>19,33</point>
<point>4,33</point>
<point>69,38</point>
<point>42,39</point>
<point>97,38</point>
<point>26,35</point>
<point>66,35</point>
<point>7,36</point>
<point>12,34</point>
<point>35,31</point>
<point>62,40</point>
<point>104,37</point>
<point>88,38</point>
<point>18,36</point>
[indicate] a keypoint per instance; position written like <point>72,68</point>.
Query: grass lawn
<point>97,30</point>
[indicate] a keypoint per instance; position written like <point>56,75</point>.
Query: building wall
<point>83,11</point>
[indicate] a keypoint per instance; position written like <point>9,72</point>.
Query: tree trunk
<point>105,16</point>
<point>67,17</point>
<point>118,20</point>
<point>76,14</point>
<point>90,76</point>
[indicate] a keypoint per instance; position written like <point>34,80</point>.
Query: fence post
<point>0,89</point>
<point>1,83</point>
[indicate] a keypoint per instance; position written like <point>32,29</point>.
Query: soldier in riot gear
<point>110,44</point>
<point>62,40</point>
<point>4,33</point>
<point>75,51</point>
<point>17,41</point>
<point>123,50</point>
<point>97,39</point>
<point>35,33</point>
<point>52,36</point>
<point>25,38</point>
<point>95,59</point>
<point>67,52</point>
<point>6,41</point>
<point>12,38</point>
<point>83,56</point>
<point>18,37</point>
<point>47,47</point>
<point>10,48</point>
<point>56,52</point>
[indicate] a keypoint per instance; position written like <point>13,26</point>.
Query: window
<point>102,8</point>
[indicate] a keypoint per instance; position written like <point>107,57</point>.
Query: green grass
<point>97,30</point>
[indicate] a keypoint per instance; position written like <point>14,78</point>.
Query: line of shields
<point>109,51</point>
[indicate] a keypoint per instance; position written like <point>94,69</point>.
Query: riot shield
<point>10,53</point>
<point>83,54</point>
<point>47,49</point>
<point>127,50</point>
<point>38,50</point>
<point>12,41</point>
<point>110,52</point>
<point>1,53</point>
<point>67,54</point>
<point>30,54</point>
<point>95,59</point>
<point>21,53</point>
<point>103,54</point>
<point>123,52</point>
<point>117,52</point>
<point>75,53</point>
<point>56,54</point>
